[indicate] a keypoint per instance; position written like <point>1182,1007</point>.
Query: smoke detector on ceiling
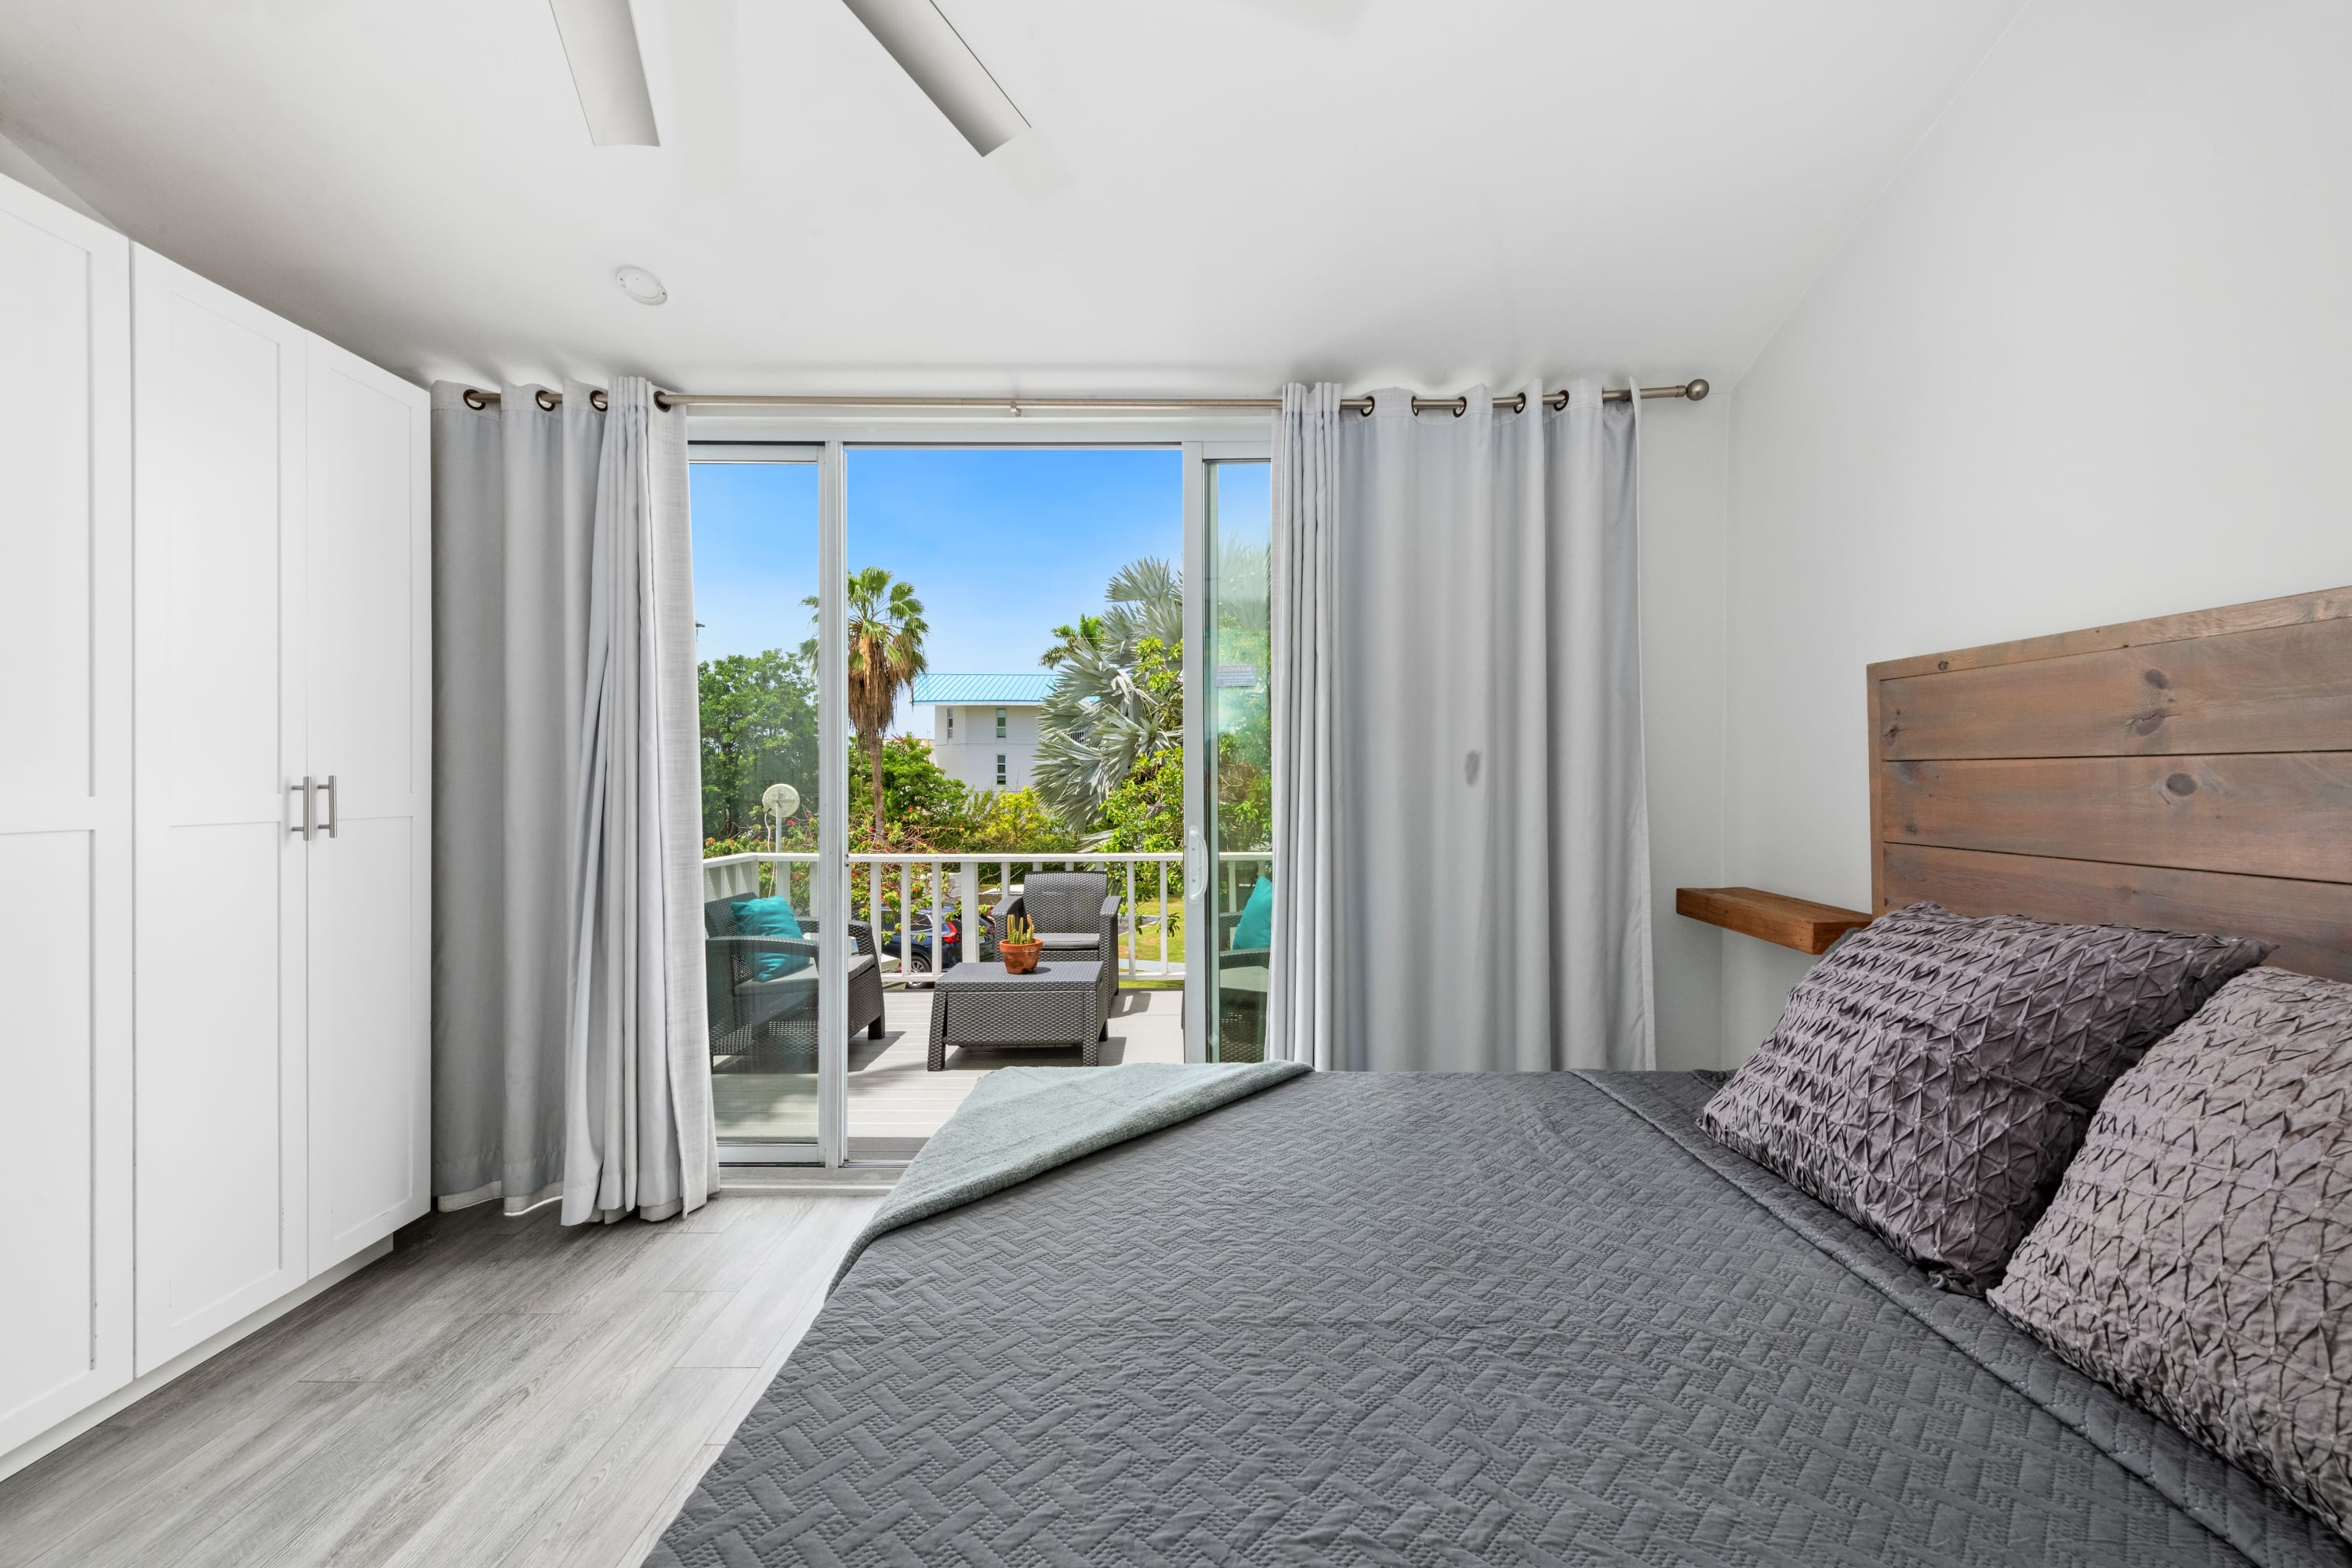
<point>641,286</point>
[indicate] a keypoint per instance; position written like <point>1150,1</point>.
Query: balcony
<point>765,1085</point>
<point>939,888</point>
<point>895,1104</point>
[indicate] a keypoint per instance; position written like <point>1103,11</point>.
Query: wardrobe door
<point>368,636</point>
<point>217,395</point>
<point>65,813</point>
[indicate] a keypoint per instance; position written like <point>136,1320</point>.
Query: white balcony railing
<point>900,886</point>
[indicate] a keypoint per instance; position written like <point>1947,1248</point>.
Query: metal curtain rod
<point>1516,403</point>
<point>551,401</point>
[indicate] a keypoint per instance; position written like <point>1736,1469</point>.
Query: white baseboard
<point>811,1181</point>
<point>139,1388</point>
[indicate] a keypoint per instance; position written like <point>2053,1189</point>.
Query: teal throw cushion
<point>1255,928</point>
<point>769,917</point>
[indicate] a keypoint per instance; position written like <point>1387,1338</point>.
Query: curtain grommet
<point>475,400</point>
<point>547,400</point>
<point>1461,405</point>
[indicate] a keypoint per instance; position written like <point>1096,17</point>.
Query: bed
<point>1542,1319</point>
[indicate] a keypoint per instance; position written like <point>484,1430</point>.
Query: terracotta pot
<point>1020,957</point>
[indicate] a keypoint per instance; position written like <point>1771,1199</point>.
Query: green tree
<point>1086,634</point>
<point>1011,822</point>
<point>759,727</point>
<point>1145,812</point>
<point>885,653</point>
<point>1241,717</point>
<point>1115,703</point>
<point>1244,796</point>
<point>919,793</point>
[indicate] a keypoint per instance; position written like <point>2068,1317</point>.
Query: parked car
<point>921,945</point>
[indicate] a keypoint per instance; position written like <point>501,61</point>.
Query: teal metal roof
<point>1004,689</point>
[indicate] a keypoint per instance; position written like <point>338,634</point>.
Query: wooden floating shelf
<point>1771,917</point>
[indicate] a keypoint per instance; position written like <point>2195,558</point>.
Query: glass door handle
<point>1196,864</point>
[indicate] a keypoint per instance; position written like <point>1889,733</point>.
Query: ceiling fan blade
<point>929,49</point>
<point>600,41</point>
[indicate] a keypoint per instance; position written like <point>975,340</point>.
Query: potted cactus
<point>1020,946</point>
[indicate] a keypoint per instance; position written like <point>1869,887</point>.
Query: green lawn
<point>1146,942</point>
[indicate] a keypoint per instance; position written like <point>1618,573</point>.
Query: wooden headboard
<point>2192,772</point>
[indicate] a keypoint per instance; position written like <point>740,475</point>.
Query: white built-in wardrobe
<point>215,848</point>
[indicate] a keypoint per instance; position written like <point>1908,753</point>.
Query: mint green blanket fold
<point>1022,1121</point>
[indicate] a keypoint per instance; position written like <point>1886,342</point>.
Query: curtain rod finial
<point>1696,391</point>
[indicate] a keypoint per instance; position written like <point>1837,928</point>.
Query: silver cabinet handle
<point>307,789</point>
<point>334,810</point>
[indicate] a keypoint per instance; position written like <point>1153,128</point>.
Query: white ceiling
<point>1220,194</point>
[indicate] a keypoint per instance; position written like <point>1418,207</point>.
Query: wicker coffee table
<point>1065,1001</point>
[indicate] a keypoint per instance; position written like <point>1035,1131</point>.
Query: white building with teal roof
<point>984,727</point>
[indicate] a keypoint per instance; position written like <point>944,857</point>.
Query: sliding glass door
<point>1229,748</point>
<point>936,676</point>
<point>1017,698</point>
<point>757,515</point>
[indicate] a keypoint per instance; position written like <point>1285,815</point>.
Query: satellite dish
<point>779,800</point>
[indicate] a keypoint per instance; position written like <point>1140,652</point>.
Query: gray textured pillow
<point>1932,1077</point>
<point>2198,1258</point>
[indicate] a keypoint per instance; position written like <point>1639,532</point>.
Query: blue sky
<point>1002,545</point>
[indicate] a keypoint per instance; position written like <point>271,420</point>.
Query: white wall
<point>968,756</point>
<point>19,163</point>
<point>1684,448</point>
<point>2088,358</point>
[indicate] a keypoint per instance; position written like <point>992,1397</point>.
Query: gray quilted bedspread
<point>1406,1318</point>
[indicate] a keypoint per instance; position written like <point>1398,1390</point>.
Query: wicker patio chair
<point>1075,914</point>
<point>749,1016</point>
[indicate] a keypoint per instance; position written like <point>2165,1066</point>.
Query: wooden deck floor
<point>895,1104</point>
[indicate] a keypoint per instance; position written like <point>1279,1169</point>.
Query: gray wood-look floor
<point>496,1392</point>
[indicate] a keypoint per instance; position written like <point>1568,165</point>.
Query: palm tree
<point>1106,712</point>
<point>885,653</point>
<point>1086,634</point>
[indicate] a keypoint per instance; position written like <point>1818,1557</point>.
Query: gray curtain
<point>1304,577</point>
<point>1460,714</point>
<point>567,1035</point>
